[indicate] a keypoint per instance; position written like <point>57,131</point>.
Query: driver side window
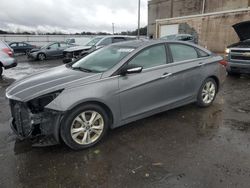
<point>106,42</point>
<point>150,57</point>
<point>54,46</point>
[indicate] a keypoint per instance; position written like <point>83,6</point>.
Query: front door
<point>53,50</point>
<point>152,88</point>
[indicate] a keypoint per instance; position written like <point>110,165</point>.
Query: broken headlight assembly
<point>37,105</point>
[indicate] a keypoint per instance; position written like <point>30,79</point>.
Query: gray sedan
<point>77,103</point>
<point>51,50</point>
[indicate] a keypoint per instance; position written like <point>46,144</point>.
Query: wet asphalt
<point>185,147</point>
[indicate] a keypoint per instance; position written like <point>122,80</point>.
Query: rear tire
<point>207,93</point>
<point>41,56</point>
<point>84,126</point>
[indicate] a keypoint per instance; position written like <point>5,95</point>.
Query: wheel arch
<point>216,79</point>
<point>101,104</point>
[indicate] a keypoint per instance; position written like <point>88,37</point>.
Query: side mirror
<point>48,47</point>
<point>130,69</point>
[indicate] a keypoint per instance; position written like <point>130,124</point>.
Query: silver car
<point>7,60</point>
<point>51,50</point>
<point>118,84</point>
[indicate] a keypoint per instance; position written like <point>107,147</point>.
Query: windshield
<point>103,59</point>
<point>94,41</point>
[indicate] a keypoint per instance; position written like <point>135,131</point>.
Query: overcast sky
<point>71,15</point>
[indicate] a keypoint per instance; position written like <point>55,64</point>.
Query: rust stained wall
<point>215,32</point>
<point>159,9</point>
<point>221,5</point>
<point>186,7</point>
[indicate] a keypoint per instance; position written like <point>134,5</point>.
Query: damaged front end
<point>33,120</point>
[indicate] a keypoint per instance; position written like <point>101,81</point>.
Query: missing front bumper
<point>26,124</point>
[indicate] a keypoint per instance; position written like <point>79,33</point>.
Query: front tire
<point>84,126</point>
<point>207,93</point>
<point>41,57</point>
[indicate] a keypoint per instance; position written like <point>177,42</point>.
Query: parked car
<point>21,47</point>
<point>78,40</point>
<point>6,57</point>
<point>111,87</point>
<point>52,50</point>
<point>96,43</point>
<point>238,54</point>
<point>181,37</point>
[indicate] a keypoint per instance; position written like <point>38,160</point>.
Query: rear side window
<point>22,44</point>
<point>202,53</point>
<point>150,57</point>
<point>182,52</point>
<point>118,39</point>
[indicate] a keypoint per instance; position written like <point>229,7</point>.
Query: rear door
<point>187,70</point>
<point>149,90</point>
<point>22,47</point>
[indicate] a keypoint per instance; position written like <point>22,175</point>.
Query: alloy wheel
<point>41,57</point>
<point>87,127</point>
<point>208,92</point>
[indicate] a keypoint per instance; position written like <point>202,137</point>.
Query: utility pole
<point>113,28</point>
<point>171,8</point>
<point>139,18</point>
<point>203,6</point>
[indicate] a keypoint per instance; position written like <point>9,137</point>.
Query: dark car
<point>181,37</point>
<point>238,54</point>
<point>51,50</point>
<point>21,47</point>
<point>96,43</point>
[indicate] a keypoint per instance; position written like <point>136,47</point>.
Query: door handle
<point>165,75</point>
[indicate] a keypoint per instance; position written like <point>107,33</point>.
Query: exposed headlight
<point>37,105</point>
<point>227,50</point>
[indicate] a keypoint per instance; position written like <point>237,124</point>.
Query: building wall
<point>159,9</point>
<point>221,5</point>
<point>214,32</point>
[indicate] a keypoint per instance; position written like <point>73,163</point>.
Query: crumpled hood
<point>35,50</point>
<point>76,48</point>
<point>243,30</point>
<point>48,81</point>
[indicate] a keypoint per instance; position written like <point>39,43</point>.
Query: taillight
<point>8,51</point>
<point>223,62</point>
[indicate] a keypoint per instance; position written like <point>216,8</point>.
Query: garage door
<point>169,30</point>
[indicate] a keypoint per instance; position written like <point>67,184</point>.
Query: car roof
<point>109,36</point>
<point>145,43</point>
